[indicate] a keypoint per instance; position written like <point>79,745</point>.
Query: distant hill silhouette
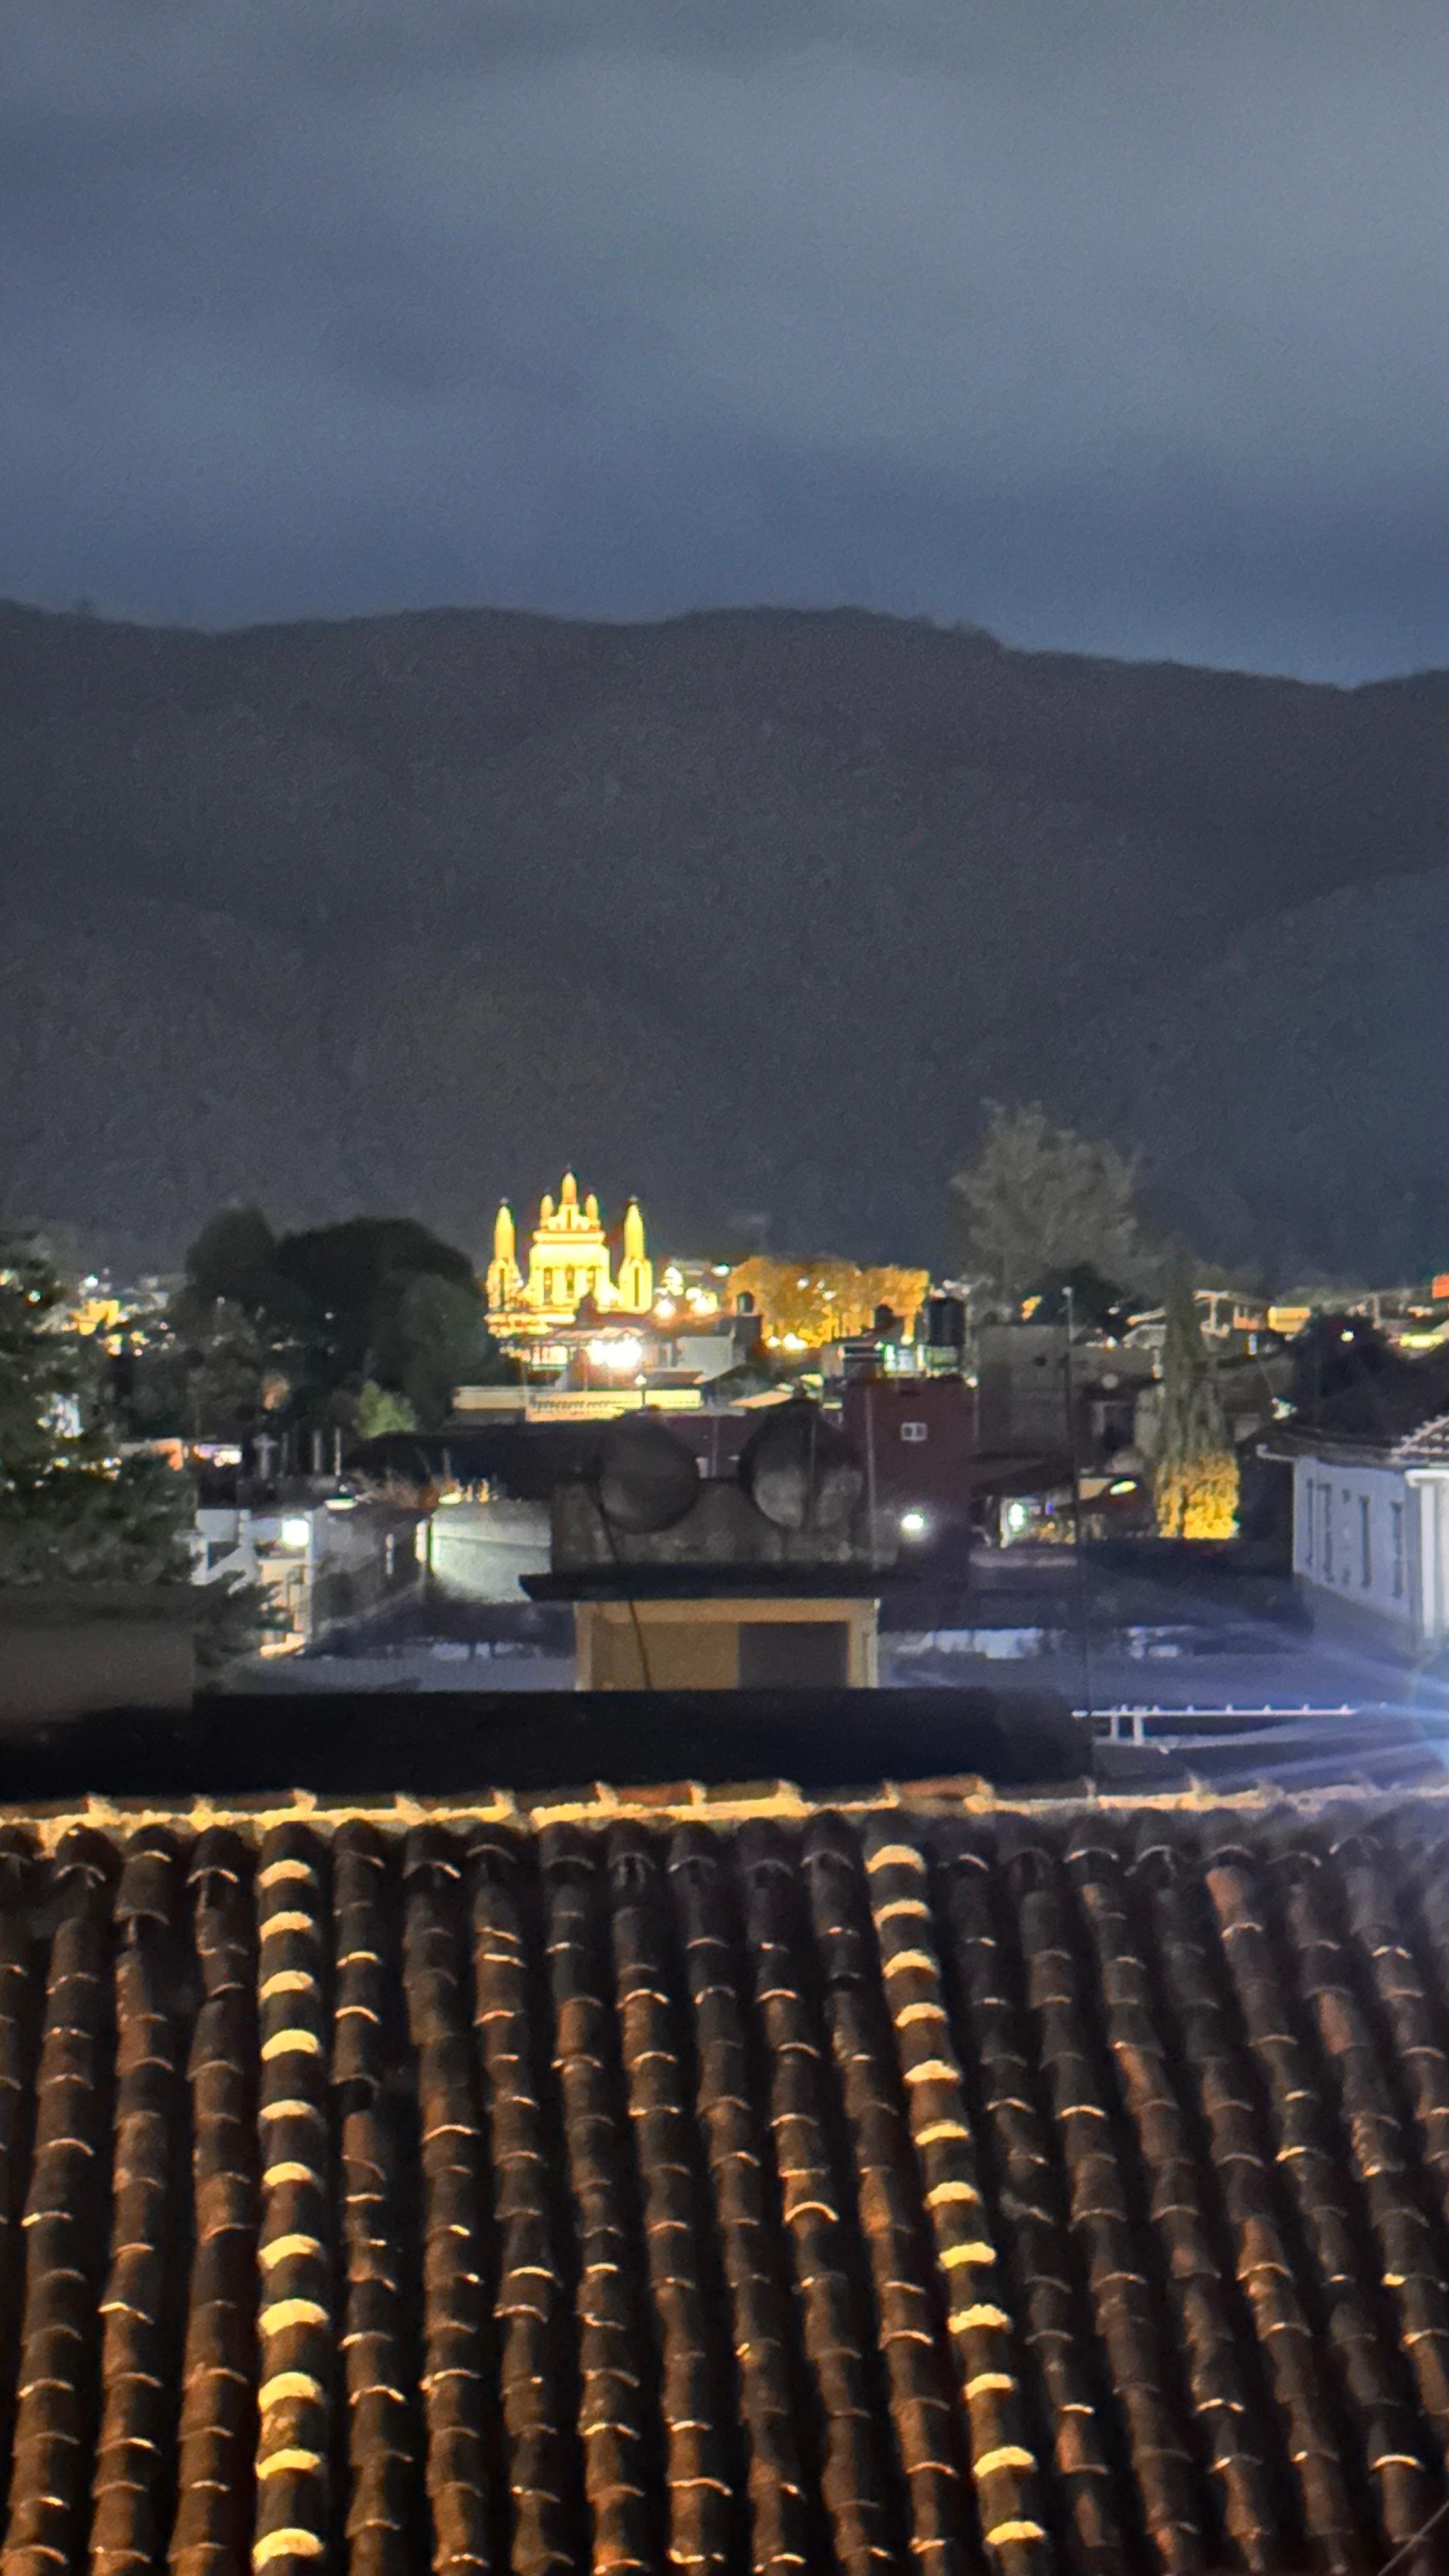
<point>749,912</point>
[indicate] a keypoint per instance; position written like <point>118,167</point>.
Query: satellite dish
<point>800,1472</point>
<point>643,1478</point>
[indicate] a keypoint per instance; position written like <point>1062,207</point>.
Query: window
<point>1365,1544</point>
<point>1310,1491</point>
<point>1344,1576</point>
<point>1396,1524</point>
<point>913,1430</point>
<point>1327,1499</point>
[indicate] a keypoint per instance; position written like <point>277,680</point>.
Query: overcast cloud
<point>1118,327</point>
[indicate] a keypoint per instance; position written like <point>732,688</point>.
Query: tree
<point>70,1511</point>
<point>297,1325</point>
<point>39,1366</point>
<point>228,1364</point>
<point>438,1340</point>
<point>233,1327</point>
<point>1094,1302</point>
<point>1040,1199</point>
<point>232,1259</point>
<point>1337,1352</point>
<point>379,1411</point>
<point>351,1278</point>
<point>1195,1480</point>
<point>820,1299</point>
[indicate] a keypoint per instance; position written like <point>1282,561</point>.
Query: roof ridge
<point>535,1812</point>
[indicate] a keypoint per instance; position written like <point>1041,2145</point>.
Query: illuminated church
<point>568,1261</point>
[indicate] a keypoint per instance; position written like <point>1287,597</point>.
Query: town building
<point>318,1560</point>
<point>1371,1537</point>
<point>117,1314</point>
<point>917,1437</point>
<point>766,1576</point>
<point>617,1364</point>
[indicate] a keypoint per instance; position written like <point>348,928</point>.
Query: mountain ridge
<point>748,910</point>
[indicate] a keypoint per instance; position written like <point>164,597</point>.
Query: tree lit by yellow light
<point>829,1301</point>
<point>1199,1500</point>
<point>1195,1483</point>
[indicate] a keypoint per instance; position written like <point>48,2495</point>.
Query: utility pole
<point>1078,1552</point>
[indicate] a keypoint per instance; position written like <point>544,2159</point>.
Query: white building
<point>1371,1537</point>
<point>316,1561</point>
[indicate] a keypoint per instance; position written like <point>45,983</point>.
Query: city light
<point>295,1531</point>
<point>624,1355</point>
<point>914,1524</point>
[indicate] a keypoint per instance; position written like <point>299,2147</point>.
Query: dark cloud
<point>1112,327</point>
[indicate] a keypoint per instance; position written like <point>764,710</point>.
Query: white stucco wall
<point>1430,1487</point>
<point>1355,1536</point>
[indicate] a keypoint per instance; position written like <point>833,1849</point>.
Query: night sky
<point>1117,326</point>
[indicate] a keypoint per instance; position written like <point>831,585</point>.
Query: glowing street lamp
<point>623,1355</point>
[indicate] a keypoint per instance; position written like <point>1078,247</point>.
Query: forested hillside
<point>747,912</point>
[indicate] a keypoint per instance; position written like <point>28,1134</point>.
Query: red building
<point>917,1440</point>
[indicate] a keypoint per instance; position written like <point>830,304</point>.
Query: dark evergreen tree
<point>1195,1483</point>
<point>71,1510</point>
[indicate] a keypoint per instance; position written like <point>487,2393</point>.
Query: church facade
<point>569,1263</point>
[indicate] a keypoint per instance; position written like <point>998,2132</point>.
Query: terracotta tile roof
<point>925,2186</point>
<point>1426,1447</point>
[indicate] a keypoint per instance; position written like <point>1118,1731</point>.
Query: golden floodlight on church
<point>569,1263</point>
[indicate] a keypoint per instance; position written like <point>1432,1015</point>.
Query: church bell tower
<point>636,1270</point>
<point>504,1283</point>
